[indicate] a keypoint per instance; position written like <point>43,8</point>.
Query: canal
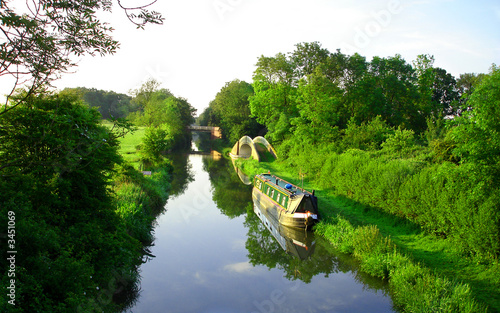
<point>212,253</point>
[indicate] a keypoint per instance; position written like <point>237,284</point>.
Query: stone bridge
<point>247,147</point>
<point>215,131</point>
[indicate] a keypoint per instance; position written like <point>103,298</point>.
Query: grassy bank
<point>427,273</point>
<point>140,198</point>
<point>129,143</point>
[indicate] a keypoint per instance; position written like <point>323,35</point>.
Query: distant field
<point>128,144</point>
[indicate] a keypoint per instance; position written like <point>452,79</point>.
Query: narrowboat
<point>289,204</point>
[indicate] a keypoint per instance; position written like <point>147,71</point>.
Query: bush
<point>367,136</point>
<point>460,202</point>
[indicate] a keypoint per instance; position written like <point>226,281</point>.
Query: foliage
<point>166,117</point>
<point>230,111</point>
<point>400,142</point>
<point>367,136</point>
<point>109,103</point>
<point>77,234</point>
<point>414,288</point>
<point>312,93</point>
<point>56,163</point>
<point>478,134</point>
<point>42,37</point>
<point>155,141</point>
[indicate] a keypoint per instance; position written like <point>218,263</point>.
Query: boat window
<point>283,202</point>
<point>272,194</point>
<point>305,205</point>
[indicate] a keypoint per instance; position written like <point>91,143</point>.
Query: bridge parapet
<point>215,131</point>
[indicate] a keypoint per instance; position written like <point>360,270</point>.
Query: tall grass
<point>139,199</point>
<point>414,288</point>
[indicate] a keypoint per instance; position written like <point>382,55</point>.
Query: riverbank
<point>139,199</point>
<point>425,272</point>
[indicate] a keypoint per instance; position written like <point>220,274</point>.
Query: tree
<point>478,134</point>
<point>110,104</point>
<point>166,116</point>
<point>231,106</point>
<point>320,106</point>
<point>55,165</point>
<point>307,57</point>
<point>395,80</point>
<point>40,39</point>
<point>273,103</point>
<point>466,84</point>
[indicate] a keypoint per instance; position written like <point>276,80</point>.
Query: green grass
<point>430,274</point>
<point>128,143</point>
<point>128,146</point>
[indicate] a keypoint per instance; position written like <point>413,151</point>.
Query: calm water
<point>214,254</point>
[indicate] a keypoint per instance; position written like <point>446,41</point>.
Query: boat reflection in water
<point>295,241</point>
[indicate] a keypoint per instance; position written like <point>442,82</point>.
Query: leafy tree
<point>437,89</point>
<point>445,96</point>
<point>367,136</point>
<point>400,142</point>
<point>207,117</point>
<point>478,134</point>
<point>320,106</point>
<point>232,111</point>
<point>274,103</point>
<point>41,38</point>
<point>156,140</point>
<point>144,94</point>
<point>109,103</point>
<point>466,85</point>
<point>167,114</point>
<point>395,80</point>
<point>56,160</point>
<point>307,57</point>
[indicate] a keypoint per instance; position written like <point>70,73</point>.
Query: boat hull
<point>274,210</point>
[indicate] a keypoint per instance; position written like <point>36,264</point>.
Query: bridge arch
<point>246,147</point>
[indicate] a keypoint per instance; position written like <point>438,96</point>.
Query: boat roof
<point>281,183</point>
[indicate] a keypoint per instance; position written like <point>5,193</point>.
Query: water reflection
<point>297,242</point>
<point>245,179</point>
<point>182,174</point>
<point>230,195</point>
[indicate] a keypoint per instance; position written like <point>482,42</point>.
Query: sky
<point>203,44</point>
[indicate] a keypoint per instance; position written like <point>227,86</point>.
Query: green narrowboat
<point>288,204</point>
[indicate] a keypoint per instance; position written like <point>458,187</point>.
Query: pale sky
<point>206,43</point>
